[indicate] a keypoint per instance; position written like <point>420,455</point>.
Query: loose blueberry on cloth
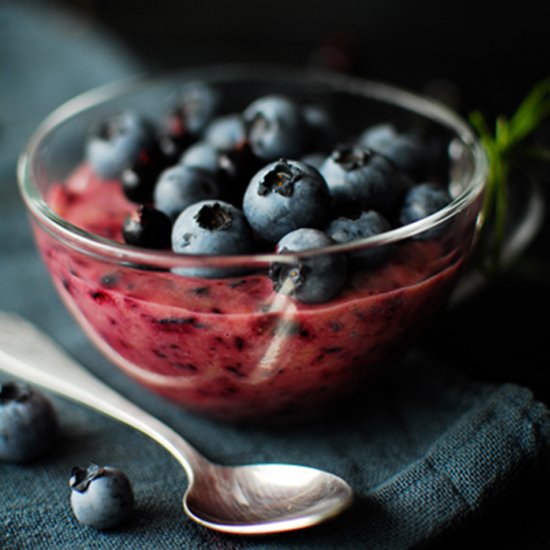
<point>101,497</point>
<point>28,422</point>
<point>428,452</point>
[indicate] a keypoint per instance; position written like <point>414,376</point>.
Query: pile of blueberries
<point>275,176</point>
<point>101,497</point>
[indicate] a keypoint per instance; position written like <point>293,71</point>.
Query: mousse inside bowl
<point>282,329</point>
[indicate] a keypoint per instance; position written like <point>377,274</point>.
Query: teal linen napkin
<point>426,450</point>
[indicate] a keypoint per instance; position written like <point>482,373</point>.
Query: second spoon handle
<point>29,354</point>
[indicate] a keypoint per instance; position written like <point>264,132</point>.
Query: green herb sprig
<point>509,150</point>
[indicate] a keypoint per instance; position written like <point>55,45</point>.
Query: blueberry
<point>275,127</point>
<point>147,227</point>
<point>198,103</point>
<point>315,160</point>
<point>284,196</point>
<point>407,151</point>
<point>322,134</point>
<point>211,228</point>
<point>180,186</point>
<point>138,180</point>
<point>28,422</point>
<point>173,136</point>
<point>355,174</point>
<point>202,155</point>
<point>101,497</point>
<point>344,230</point>
<point>378,137</point>
<point>226,132</point>
<point>315,279</point>
<point>116,143</point>
<point>230,168</point>
<point>423,200</point>
<point>236,169</point>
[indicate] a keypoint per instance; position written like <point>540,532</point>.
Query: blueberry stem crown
<point>82,477</point>
<point>280,179</point>
<point>351,158</point>
<point>292,280</point>
<point>214,218</point>
<point>297,276</point>
<point>11,391</point>
<point>259,125</point>
<point>108,129</point>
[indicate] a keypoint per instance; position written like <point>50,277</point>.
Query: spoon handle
<point>31,355</point>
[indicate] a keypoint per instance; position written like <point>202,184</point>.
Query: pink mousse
<point>232,347</point>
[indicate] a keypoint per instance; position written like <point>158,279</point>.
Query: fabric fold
<point>480,458</point>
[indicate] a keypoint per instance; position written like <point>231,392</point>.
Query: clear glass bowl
<point>232,347</point>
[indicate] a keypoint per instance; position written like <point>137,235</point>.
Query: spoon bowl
<point>251,499</point>
<point>262,498</point>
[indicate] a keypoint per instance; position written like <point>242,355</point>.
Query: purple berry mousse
<point>232,347</point>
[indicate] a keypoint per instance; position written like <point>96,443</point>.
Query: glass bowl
<point>233,347</point>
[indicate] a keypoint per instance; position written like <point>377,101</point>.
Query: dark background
<point>491,51</point>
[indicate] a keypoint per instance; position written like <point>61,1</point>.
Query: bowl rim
<point>98,246</point>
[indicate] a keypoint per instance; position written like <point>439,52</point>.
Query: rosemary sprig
<point>507,150</point>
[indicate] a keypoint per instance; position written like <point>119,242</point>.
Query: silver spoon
<point>253,499</point>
